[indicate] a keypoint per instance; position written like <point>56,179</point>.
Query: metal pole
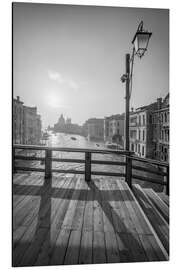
<point>128,160</point>
<point>127,103</point>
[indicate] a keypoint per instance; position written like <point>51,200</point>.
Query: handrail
<point>128,164</point>
<point>150,161</point>
<point>69,149</point>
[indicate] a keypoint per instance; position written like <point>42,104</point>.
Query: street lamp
<point>140,44</point>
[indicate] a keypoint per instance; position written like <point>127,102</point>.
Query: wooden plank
<point>61,206</point>
<point>121,218</point>
<point>17,235</point>
<point>86,251</point>
<point>164,197</point>
<point>58,254</point>
<point>158,223</point>
<point>77,222</point>
<point>70,213</point>
<point>99,250</point>
<point>135,247</point>
<point>157,249</point>
<point>149,250</point>
<point>124,250</point>
<point>41,218</point>
<point>158,203</point>
<point>106,206</point>
<point>126,223</point>
<point>88,212</point>
<point>72,253</point>
<point>137,221</point>
<point>32,251</point>
<point>44,256</point>
<point>98,213</point>
<point>26,240</point>
<point>112,250</point>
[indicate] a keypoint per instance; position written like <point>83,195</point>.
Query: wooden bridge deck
<point>68,221</point>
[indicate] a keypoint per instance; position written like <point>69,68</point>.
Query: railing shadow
<point>39,250</point>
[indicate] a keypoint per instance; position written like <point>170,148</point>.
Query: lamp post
<point>140,44</point>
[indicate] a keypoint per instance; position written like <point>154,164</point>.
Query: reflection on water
<point>75,141</point>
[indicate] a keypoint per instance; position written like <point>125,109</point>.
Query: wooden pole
<point>48,163</point>
<point>87,166</point>
<point>167,181</point>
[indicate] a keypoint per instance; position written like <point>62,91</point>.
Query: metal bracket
<point>124,77</point>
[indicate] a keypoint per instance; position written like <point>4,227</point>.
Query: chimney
<point>18,98</point>
<point>132,109</point>
<point>159,103</point>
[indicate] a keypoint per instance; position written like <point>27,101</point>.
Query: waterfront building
<point>65,125</point>
<point>141,132</point>
<point>32,126</point>
<point>114,128</point>
<point>26,123</point>
<point>95,128</point>
<point>160,122</point>
<point>17,121</point>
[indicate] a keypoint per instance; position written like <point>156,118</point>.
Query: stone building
<point>65,126</point>
<point>17,121</point>
<point>149,130</point>
<point>160,122</point>
<point>32,126</point>
<point>95,128</point>
<point>26,124</point>
<point>114,128</point>
<point>141,131</point>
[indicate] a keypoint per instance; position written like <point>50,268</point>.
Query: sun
<point>54,101</point>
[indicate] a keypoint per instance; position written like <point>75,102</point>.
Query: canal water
<point>77,141</point>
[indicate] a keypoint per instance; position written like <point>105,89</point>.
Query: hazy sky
<point>69,59</point>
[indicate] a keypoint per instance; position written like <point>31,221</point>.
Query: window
<point>143,135</point>
<point>132,147</point>
<point>139,134</point>
<point>139,120</point>
<point>142,150</point>
<point>138,148</point>
<point>162,117</point>
<point>150,119</point>
<point>165,117</point>
<point>144,120</point>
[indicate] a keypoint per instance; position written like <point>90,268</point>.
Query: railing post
<point>167,181</point>
<point>13,160</point>
<point>48,163</point>
<point>129,170</point>
<point>87,166</point>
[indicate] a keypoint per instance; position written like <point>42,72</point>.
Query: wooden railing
<point>130,164</point>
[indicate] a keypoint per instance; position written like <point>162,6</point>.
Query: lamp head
<point>141,40</point>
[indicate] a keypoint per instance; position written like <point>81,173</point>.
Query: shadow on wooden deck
<point>41,251</point>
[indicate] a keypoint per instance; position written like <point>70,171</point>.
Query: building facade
<point>141,131</point>
<point>114,128</point>
<point>26,124</point>
<point>95,128</point>
<point>18,110</point>
<point>149,130</point>
<point>65,126</point>
<point>160,122</point>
